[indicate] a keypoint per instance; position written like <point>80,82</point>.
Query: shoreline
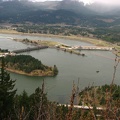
<point>72,37</point>
<point>94,41</point>
<point>27,74</point>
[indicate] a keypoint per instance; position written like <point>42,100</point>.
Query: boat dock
<point>29,49</point>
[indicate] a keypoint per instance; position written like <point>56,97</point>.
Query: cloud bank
<point>43,0</point>
<point>108,2</point>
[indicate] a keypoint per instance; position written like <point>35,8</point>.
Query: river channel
<point>71,68</point>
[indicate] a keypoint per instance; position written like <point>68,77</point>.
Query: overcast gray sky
<point>111,2</point>
<point>104,1</point>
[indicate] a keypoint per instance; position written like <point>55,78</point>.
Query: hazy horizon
<point>104,2</point>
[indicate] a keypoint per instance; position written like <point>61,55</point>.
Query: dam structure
<point>93,48</point>
<point>29,49</point>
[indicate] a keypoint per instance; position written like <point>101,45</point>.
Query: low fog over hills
<point>66,11</point>
<point>75,5</point>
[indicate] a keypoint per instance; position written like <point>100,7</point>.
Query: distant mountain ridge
<point>75,5</point>
<point>52,12</point>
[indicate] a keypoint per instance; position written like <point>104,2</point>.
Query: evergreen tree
<point>55,70</point>
<point>7,93</point>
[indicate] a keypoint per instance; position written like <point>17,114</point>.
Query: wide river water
<point>71,68</point>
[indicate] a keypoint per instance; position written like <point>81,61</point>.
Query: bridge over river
<point>29,49</point>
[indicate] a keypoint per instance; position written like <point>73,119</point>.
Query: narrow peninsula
<point>28,65</point>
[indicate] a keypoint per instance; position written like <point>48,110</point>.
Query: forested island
<point>26,64</point>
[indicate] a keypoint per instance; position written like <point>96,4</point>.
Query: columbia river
<point>71,68</point>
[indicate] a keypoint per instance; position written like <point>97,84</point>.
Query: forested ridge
<point>74,13</point>
<point>34,19</point>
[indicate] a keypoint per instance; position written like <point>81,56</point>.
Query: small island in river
<point>28,65</point>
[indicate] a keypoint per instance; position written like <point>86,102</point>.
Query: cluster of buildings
<point>4,53</point>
